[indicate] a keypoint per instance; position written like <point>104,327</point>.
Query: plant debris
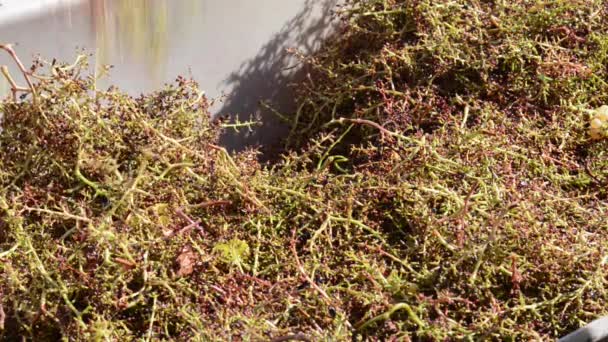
<point>445,179</point>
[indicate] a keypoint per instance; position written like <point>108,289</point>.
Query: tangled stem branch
<point>14,88</point>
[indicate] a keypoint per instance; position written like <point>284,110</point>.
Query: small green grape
<point>598,126</point>
<point>596,123</point>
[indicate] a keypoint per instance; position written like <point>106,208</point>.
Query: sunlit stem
<point>8,48</point>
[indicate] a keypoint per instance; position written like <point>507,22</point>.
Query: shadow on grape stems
<point>267,77</point>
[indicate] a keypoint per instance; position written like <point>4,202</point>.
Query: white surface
<point>15,10</point>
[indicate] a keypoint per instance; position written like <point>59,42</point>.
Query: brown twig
<point>465,208</point>
<point>9,48</point>
<point>258,280</point>
<point>185,229</point>
<point>192,223</point>
<point>590,173</point>
<point>385,132</point>
<point>14,87</point>
<point>303,271</point>
<point>218,203</point>
<point>126,263</point>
